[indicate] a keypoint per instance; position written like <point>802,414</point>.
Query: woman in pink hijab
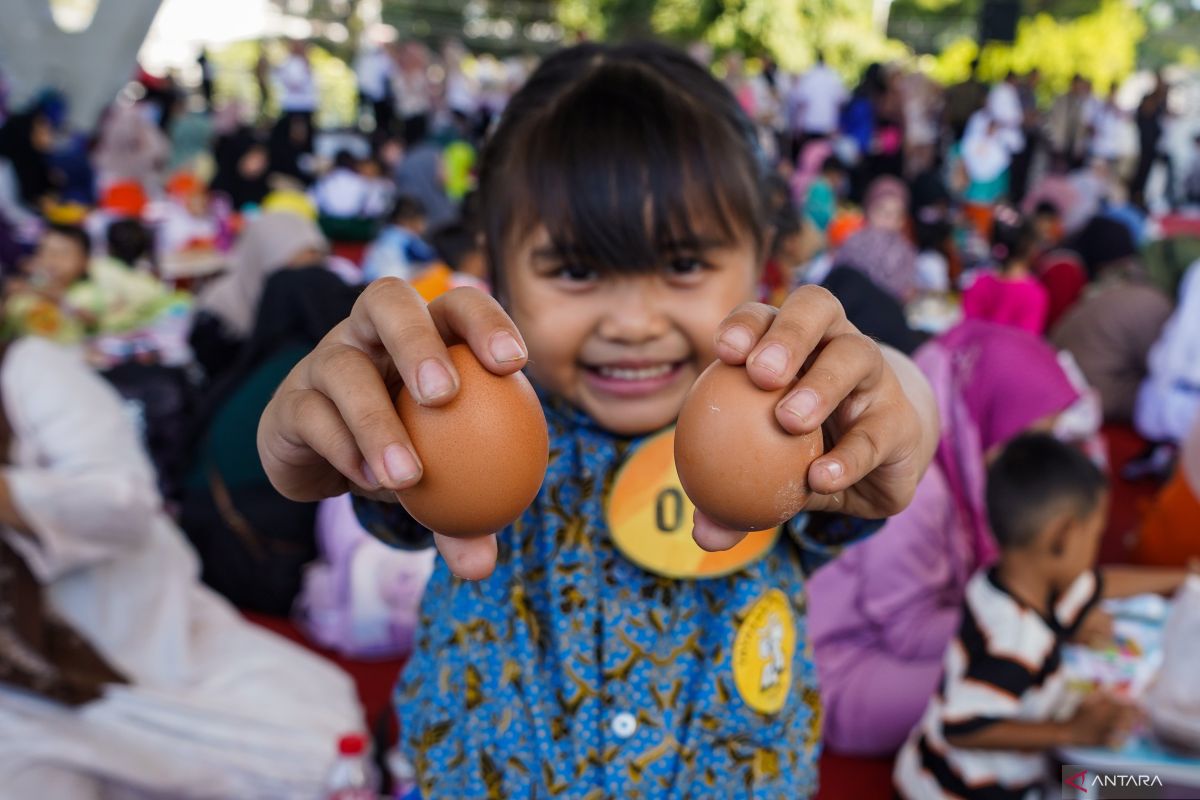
<point>882,614</point>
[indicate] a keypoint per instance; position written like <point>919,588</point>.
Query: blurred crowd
<point>190,253</point>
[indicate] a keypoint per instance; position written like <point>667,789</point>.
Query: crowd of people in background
<point>191,252</point>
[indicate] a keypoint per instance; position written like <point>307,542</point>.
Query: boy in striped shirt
<point>1001,702</point>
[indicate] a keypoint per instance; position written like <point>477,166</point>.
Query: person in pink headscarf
<point>882,249</point>
<point>882,614</point>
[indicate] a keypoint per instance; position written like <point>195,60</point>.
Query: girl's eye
<point>685,265</point>
<point>577,273</point>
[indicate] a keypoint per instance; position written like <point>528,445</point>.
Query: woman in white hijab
<point>227,308</point>
<point>121,674</point>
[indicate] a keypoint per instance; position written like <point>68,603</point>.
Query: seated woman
<point>122,675</point>
<point>226,308</point>
<point>882,614</point>
<point>882,249</point>
<point>1110,332</point>
<point>253,542</point>
<point>1170,530</point>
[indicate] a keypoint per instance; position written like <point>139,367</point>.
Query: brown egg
<point>735,461</point>
<point>484,452</point>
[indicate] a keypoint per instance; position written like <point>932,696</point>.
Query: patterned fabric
<point>573,673</point>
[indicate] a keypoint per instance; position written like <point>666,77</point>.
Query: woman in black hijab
<point>25,143</point>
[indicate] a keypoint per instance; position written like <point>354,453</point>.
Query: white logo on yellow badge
<point>650,519</point>
<point>762,653</point>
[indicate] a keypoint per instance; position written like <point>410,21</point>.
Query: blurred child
<point>787,254</point>
<point>1004,693</point>
<point>35,301</point>
<point>348,191</point>
<point>1012,295</point>
<point>401,250</point>
<point>625,228</point>
<point>825,192</point>
<point>1047,226</point>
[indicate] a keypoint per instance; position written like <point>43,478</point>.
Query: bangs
<point>627,167</point>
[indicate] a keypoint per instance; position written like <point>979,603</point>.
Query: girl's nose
<point>634,314</point>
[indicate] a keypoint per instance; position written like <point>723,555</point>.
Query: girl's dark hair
<point>1013,236</point>
<point>627,155</point>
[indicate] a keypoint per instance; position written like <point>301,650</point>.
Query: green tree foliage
<point>1101,45</point>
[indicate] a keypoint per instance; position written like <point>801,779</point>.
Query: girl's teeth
<point>642,374</point>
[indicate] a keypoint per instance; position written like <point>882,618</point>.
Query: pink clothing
<point>882,614</point>
<point>1021,302</point>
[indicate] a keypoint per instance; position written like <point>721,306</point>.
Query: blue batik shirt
<point>571,672</point>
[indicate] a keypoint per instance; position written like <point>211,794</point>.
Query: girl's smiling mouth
<point>631,378</point>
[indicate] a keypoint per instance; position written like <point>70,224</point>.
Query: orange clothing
<point>1170,534</point>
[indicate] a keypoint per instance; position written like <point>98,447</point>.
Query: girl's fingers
<point>476,318</point>
<point>351,382</point>
<point>809,317</point>
<point>315,460</point>
<point>849,364</point>
<point>740,331</point>
<point>469,559</point>
<point>390,314</point>
<point>712,537</point>
<point>876,439</point>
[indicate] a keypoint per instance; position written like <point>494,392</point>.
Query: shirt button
<point>624,725</point>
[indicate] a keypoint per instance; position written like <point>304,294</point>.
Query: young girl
<point>1013,296</point>
<point>624,226</point>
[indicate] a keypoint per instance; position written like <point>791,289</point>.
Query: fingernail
<point>433,380</point>
<point>400,463</point>
<point>505,347</point>
<point>738,338</point>
<point>801,404</point>
<point>369,476</point>
<point>833,470</point>
<point>774,359</point>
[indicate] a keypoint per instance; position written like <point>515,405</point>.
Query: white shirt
<point>412,93</point>
<point>816,100</point>
<point>1110,125</point>
<point>295,84</point>
<point>374,69</point>
<point>216,707</point>
<point>1004,104</point>
<point>344,193</point>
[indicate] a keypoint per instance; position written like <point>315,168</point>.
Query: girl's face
<point>624,349</point>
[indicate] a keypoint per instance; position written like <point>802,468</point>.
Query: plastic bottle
<point>352,776</point>
<point>404,777</point>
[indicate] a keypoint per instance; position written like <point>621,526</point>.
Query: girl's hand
<point>875,405</point>
<point>332,425</point>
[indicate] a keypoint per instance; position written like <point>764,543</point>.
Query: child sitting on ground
<point>1012,295</point>
<point>401,250</point>
<point>1003,689</point>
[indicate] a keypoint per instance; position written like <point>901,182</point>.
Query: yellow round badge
<point>650,519</point>
<point>762,653</point>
